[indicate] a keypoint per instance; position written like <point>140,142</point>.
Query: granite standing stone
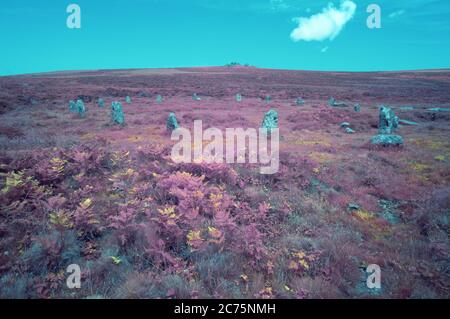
<point>81,109</point>
<point>388,121</point>
<point>172,123</point>
<point>299,101</point>
<point>117,115</point>
<point>270,121</point>
<point>388,124</point>
<point>73,106</point>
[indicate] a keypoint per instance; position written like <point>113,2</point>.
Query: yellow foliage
<point>214,232</point>
<point>299,254</point>
<point>431,144</point>
<point>135,138</point>
<point>13,180</point>
<point>198,194</point>
<point>300,261</point>
<point>193,235</point>
<point>169,212</point>
<point>58,164</point>
<point>321,157</point>
<point>86,203</point>
<point>61,219</point>
<point>364,215</point>
<point>320,140</point>
<point>194,238</point>
<point>419,167</point>
<point>293,265</point>
<point>116,260</point>
<point>303,263</point>
<point>216,199</point>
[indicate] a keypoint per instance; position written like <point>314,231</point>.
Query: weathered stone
<point>73,106</point>
<point>34,101</point>
<point>195,97</point>
<point>439,109</point>
<point>345,124</point>
<point>238,97</point>
<point>101,102</point>
<point>172,123</point>
<point>388,124</point>
<point>406,108</point>
<point>357,107</point>
<point>387,140</point>
<point>159,99</point>
<point>299,101</point>
<point>388,121</point>
<point>143,94</point>
<point>333,103</point>
<point>81,109</point>
<point>270,121</point>
<point>128,99</point>
<point>348,130</point>
<point>353,206</point>
<point>406,122</point>
<point>86,98</point>
<point>117,115</point>
<point>268,98</point>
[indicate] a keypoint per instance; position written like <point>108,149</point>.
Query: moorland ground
<point>108,197</point>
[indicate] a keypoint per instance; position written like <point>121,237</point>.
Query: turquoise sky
<point>183,33</point>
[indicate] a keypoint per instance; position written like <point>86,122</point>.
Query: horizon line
<point>221,66</point>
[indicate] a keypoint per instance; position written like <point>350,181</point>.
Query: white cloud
<point>325,25</point>
<point>325,49</point>
<point>396,14</point>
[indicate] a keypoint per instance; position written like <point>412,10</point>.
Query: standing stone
<point>159,99</point>
<point>388,124</point>
<point>299,101</point>
<point>357,107</point>
<point>268,98</point>
<point>195,97</point>
<point>117,115</point>
<point>81,109</point>
<point>172,123</point>
<point>331,101</point>
<point>388,121</point>
<point>238,97</point>
<point>101,102</point>
<point>128,99</point>
<point>73,106</point>
<point>270,121</point>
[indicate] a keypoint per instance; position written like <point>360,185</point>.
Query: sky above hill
<point>330,35</point>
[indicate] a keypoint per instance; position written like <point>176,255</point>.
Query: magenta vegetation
<point>109,198</point>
